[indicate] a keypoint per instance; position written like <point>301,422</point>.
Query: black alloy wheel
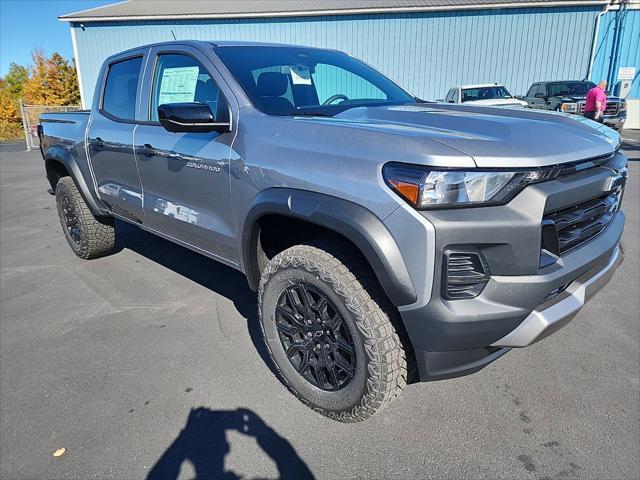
<point>329,330</point>
<point>87,235</point>
<point>315,338</point>
<point>70,218</point>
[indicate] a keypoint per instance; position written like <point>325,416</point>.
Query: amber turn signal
<point>408,191</point>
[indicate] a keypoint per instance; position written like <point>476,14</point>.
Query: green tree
<point>15,79</point>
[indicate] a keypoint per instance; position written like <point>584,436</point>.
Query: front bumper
<point>555,313</point>
<point>520,303</point>
<point>614,121</point>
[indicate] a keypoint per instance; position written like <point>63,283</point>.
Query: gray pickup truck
<point>388,239</point>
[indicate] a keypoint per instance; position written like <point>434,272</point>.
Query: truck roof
<point>215,43</point>
<point>564,81</point>
<point>481,85</point>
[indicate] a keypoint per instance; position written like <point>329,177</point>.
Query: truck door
<point>110,137</point>
<point>539,99</point>
<point>186,175</point>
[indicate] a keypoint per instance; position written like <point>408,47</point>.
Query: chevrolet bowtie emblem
<point>616,182</point>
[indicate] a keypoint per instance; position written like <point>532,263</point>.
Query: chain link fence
<point>31,118</point>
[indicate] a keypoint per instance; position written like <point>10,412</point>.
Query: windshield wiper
<point>312,114</point>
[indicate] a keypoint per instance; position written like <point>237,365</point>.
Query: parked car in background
<point>387,239</point>
<point>568,96</point>
<point>488,95</point>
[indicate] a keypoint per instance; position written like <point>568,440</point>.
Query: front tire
<point>329,331</point>
<point>88,236</point>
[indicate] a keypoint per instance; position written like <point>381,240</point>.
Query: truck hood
<point>582,98</point>
<point>493,137</point>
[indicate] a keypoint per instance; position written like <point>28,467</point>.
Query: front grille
<point>466,274</point>
<point>564,230</point>
<point>612,108</point>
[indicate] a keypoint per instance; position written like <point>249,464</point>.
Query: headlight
<point>623,105</point>
<point>568,107</point>
<point>444,188</point>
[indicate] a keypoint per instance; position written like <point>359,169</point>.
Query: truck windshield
<point>577,89</point>
<point>484,93</point>
<point>307,81</point>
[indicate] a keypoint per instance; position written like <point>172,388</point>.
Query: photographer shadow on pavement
<point>203,442</point>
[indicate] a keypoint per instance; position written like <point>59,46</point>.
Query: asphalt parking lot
<point>149,363</point>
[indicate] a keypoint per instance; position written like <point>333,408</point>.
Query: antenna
<point>174,35</point>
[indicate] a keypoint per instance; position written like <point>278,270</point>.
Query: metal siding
<point>425,52</point>
<point>629,52</point>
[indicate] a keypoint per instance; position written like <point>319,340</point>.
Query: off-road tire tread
<point>98,234</point>
<point>351,278</point>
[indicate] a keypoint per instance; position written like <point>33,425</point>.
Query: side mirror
<point>193,117</point>
<point>519,97</point>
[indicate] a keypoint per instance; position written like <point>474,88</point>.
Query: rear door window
<point>121,89</point>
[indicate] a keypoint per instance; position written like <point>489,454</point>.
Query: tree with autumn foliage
<point>52,81</point>
<point>11,90</point>
<point>48,81</point>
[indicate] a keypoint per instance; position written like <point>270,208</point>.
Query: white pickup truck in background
<point>487,95</point>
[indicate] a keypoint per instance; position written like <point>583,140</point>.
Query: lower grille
<point>567,229</point>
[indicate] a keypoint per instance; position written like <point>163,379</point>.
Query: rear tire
<point>347,373</point>
<point>88,236</point>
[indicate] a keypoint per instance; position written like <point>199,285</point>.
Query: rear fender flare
<point>352,221</point>
<point>65,158</point>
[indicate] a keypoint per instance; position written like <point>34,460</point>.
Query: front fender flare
<point>352,221</point>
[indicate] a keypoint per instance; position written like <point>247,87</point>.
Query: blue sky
<point>29,24</point>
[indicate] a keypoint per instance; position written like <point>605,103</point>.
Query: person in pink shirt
<point>596,102</point>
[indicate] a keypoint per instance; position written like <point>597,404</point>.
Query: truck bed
<point>63,136</point>
<point>63,128</point>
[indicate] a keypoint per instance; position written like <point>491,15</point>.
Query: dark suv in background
<point>569,96</point>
